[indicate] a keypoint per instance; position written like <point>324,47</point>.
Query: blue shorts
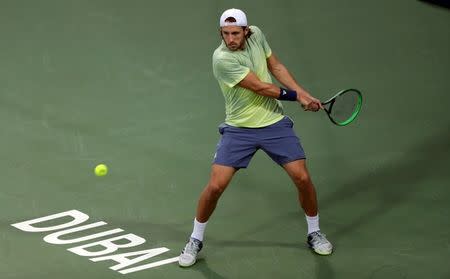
<point>237,146</point>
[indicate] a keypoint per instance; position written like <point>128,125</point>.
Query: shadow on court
<point>438,3</point>
<point>393,184</point>
<point>205,270</point>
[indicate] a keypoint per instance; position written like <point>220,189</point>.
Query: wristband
<point>287,95</point>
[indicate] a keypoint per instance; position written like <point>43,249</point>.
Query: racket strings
<point>345,106</point>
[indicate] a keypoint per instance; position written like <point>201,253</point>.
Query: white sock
<point>313,223</point>
<point>199,230</point>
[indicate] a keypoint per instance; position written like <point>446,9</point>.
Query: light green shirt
<point>243,107</point>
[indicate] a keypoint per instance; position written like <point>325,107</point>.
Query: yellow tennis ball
<point>101,170</point>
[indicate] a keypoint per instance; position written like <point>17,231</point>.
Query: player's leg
<point>234,151</point>
<point>306,192</point>
<point>219,179</point>
<point>284,147</point>
<point>308,201</point>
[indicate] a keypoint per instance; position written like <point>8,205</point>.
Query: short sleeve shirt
<point>243,107</point>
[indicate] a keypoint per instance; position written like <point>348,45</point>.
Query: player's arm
<point>253,83</point>
<point>281,73</point>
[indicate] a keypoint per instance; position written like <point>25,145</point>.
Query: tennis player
<point>254,120</point>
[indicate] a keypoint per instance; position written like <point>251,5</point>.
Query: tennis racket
<point>343,107</point>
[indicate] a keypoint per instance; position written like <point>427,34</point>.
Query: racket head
<point>344,107</point>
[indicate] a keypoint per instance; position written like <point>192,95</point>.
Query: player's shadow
<point>324,269</point>
<point>255,243</point>
<point>205,270</point>
<point>438,3</point>
<point>392,185</point>
<point>388,186</point>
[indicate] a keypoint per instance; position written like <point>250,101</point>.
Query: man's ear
<point>246,30</point>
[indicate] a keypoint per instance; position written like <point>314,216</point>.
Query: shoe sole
<point>186,265</point>
<point>322,253</point>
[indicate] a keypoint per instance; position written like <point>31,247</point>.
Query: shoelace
<point>319,238</point>
<point>192,248</point>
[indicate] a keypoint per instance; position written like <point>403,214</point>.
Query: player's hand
<point>310,103</point>
<point>316,103</point>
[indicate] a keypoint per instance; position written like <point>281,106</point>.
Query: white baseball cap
<point>238,15</point>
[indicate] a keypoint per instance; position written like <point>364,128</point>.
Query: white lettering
<point>78,218</point>
<point>54,237</point>
<point>108,244</point>
<point>65,223</point>
<point>124,261</point>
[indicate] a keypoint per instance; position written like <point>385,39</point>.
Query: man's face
<point>234,37</point>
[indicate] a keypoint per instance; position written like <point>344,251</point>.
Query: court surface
<point>130,84</point>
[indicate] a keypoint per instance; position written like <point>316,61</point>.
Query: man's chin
<point>234,47</point>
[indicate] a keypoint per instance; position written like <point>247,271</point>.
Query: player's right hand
<point>310,103</point>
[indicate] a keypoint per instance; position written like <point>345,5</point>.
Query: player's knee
<point>302,180</point>
<point>215,189</point>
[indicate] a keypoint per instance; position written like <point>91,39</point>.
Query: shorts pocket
<point>222,128</point>
<point>289,121</point>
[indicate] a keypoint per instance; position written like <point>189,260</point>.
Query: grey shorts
<point>237,146</point>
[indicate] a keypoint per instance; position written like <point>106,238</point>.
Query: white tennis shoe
<point>188,256</point>
<point>318,242</point>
